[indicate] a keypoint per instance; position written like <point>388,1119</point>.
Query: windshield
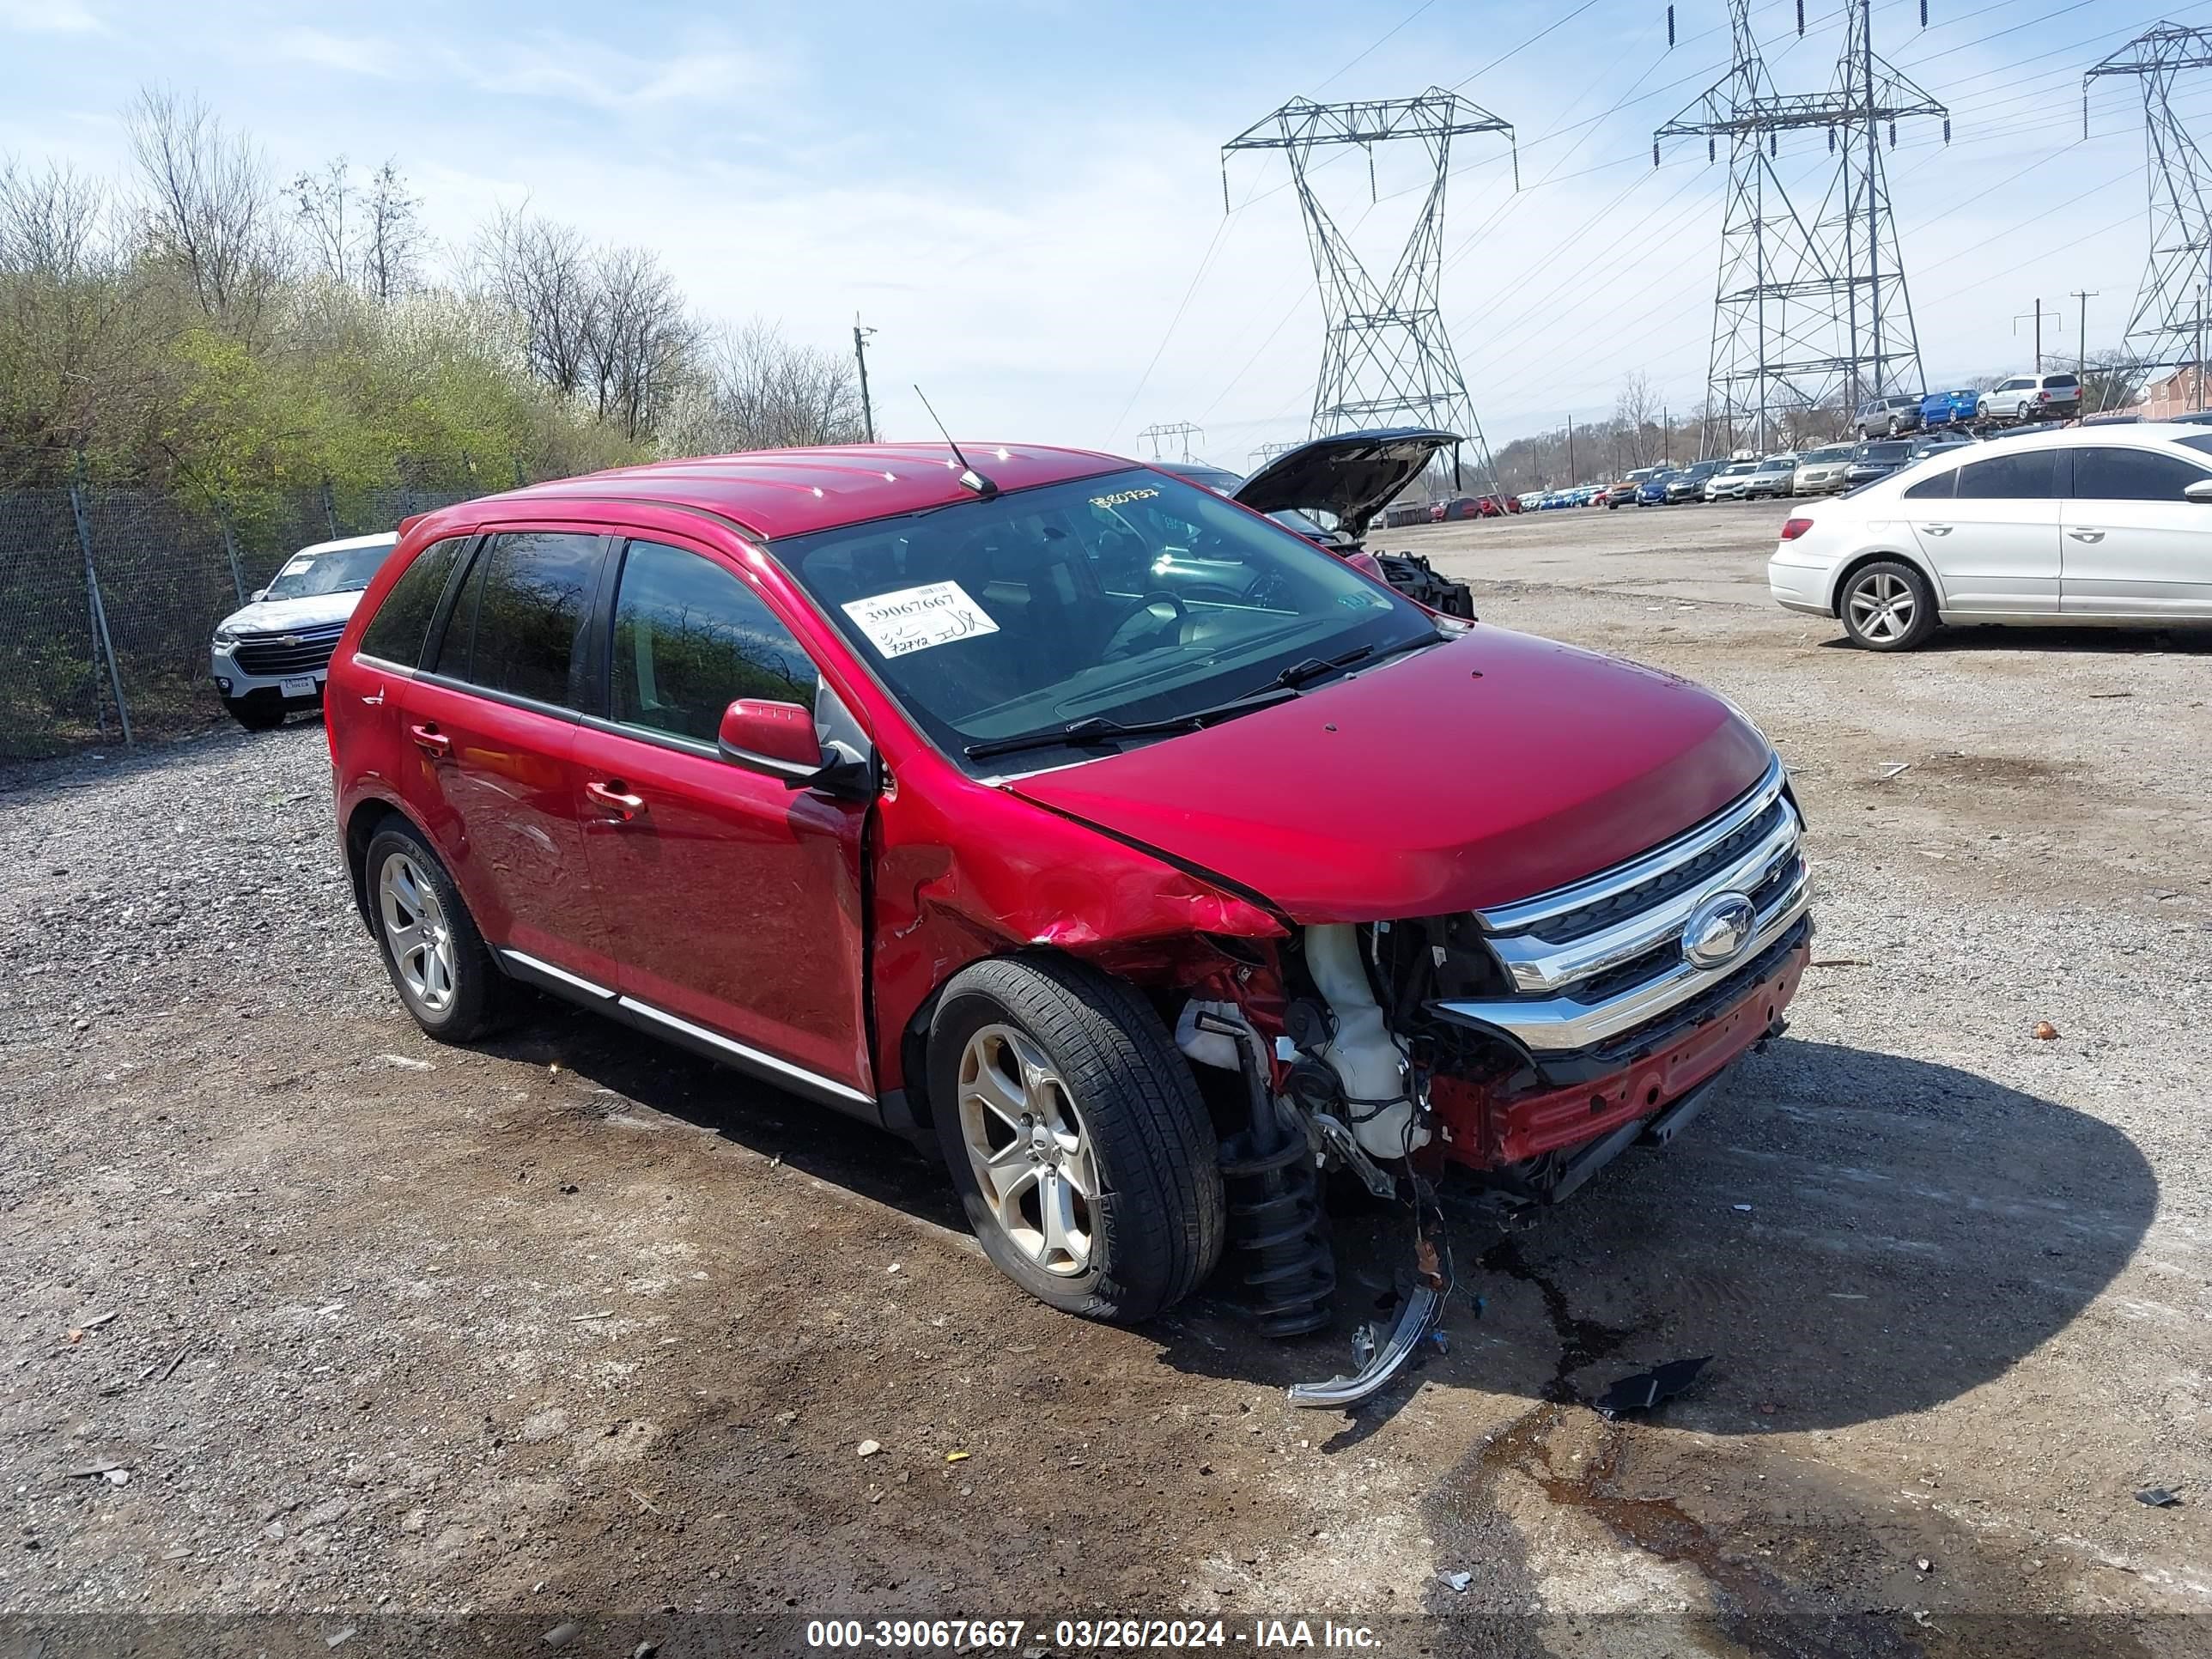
<point>1892,452</point>
<point>1776,467</point>
<point>1131,597</point>
<point>1823,457</point>
<point>347,570</point>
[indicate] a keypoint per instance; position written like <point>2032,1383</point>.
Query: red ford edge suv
<point>1136,854</point>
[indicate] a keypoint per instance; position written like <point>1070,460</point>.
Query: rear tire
<point>1886,606</point>
<point>439,963</point>
<point>1058,1086</point>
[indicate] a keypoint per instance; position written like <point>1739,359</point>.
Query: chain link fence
<point>109,594</point>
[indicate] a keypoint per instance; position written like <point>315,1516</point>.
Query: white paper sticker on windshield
<point>915,618</point>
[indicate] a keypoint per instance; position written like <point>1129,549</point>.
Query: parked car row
<point>2017,400</point>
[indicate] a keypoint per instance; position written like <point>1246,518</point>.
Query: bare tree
<point>210,207</point>
<point>391,239</point>
<point>74,344</point>
<point>320,201</point>
<point>756,390</point>
<point>543,273</point>
<point>639,339</point>
<point>1636,414</point>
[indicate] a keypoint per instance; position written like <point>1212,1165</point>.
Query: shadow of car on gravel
<point>2130,641</point>
<point>1851,1235</point>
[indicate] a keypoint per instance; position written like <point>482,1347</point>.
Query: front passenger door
<point>2134,545</point>
<point>1994,539</point>
<point>733,899</point>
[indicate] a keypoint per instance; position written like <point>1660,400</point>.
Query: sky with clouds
<point>1026,199</point>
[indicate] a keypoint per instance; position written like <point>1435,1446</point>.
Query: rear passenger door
<point>2134,545</point>
<point>734,898</point>
<point>490,725</point>
<point>1993,537</point>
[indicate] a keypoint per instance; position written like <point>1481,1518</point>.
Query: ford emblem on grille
<point>1718,931</point>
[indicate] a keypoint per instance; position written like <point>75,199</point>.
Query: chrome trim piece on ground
<point>1423,1309</point>
<point>1560,901</point>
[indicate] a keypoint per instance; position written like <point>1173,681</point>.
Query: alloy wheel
<point>1026,1143</point>
<point>416,927</point>
<point>1883,608</point>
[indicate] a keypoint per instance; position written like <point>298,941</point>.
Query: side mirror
<point>780,738</point>
<point>257,596</point>
<point>2199,491</point>
<point>781,733</point>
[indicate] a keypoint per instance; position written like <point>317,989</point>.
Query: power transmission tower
<point>1385,355</point>
<point>2162,333</point>
<point>1178,432</point>
<point>1803,313</point>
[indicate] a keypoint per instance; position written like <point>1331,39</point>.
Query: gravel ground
<point>302,1313</point>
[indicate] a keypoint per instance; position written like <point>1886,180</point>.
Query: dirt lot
<point>576,1329</point>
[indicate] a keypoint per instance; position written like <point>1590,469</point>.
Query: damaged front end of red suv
<point>1504,971</point>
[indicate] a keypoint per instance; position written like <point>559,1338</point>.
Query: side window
<point>397,631</point>
<point>2131,475</point>
<point>1938,488</point>
<point>515,626</point>
<point>2031,477</point>
<point>690,639</point>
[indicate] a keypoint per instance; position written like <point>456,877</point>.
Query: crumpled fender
<point>962,870</point>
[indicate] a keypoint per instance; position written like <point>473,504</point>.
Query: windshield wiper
<point>1314,668</point>
<point>1098,729</point>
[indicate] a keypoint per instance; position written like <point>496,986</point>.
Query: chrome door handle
<point>2087,535</point>
<point>1937,529</point>
<point>612,797</point>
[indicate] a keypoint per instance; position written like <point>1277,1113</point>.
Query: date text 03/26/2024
<point>1082,1635</point>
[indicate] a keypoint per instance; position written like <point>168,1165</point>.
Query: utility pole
<point>1666,437</point>
<point>2057,318</point>
<point>860,355</point>
<point>2081,333</point>
<point>1570,449</point>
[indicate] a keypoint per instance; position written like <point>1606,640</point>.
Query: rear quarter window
<point>396,633</point>
<point>515,626</point>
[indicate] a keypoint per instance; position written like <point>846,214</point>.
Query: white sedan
<point>2080,526</point>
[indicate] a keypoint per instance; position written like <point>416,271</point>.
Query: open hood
<point>1474,774</point>
<point>1352,475</point>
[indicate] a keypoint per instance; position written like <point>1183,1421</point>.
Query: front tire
<point>1076,1136</point>
<point>1886,606</point>
<point>439,963</point>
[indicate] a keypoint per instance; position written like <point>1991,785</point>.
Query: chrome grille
<point>294,651</point>
<point>1591,963</point>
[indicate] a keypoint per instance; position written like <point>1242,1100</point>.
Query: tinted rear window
<point>2031,477</point>
<point>2061,380</point>
<point>514,628</point>
<point>397,631</point>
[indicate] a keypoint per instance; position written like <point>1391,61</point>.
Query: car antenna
<point>970,478</point>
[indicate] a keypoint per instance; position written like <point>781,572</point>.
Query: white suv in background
<point>2106,525</point>
<point>2033,397</point>
<point>270,658</point>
